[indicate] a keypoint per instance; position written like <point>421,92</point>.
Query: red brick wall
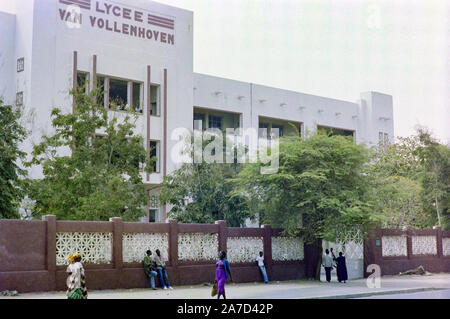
<point>28,256</point>
<point>394,265</point>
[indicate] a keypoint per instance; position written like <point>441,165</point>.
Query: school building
<point>141,53</point>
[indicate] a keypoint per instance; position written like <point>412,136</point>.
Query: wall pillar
<point>149,111</point>
<point>94,70</point>
<point>409,250</point>
<point>51,250</point>
<point>165,137</point>
<point>173,248</point>
<point>439,247</point>
<point>75,78</point>
<point>117,256</point>
<point>222,234</point>
<point>147,207</point>
<point>371,250</point>
<point>268,250</point>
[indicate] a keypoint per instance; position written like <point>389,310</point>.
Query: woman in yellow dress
<point>76,282</point>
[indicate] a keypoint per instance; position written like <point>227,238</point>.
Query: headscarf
<point>72,257</point>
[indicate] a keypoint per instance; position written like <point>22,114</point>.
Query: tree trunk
<point>313,259</point>
<point>438,213</point>
<point>319,263</point>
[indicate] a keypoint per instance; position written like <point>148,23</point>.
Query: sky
<point>333,48</point>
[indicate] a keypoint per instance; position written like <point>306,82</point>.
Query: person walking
<point>161,268</point>
<point>328,265</point>
<point>150,268</point>
<point>262,267</point>
<point>76,281</point>
<point>341,268</point>
<point>332,254</point>
<point>223,271</point>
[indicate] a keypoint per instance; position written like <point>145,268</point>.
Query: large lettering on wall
<point>117,18</point>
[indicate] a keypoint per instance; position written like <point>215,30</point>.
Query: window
<point>118,94</point>
<point>19,99</point>
<point>20,65</point>
<point>101,86</point>
<point>280,130</point>
<point>152,215</point>
<point>154,207</point>
<point>82,81</point>
<point>137,97</point>
<point>263,129</point>
<point>154,100</point>
<point>122,95</point>
<point>331,131</point>
<point>383,138</point>
<point>154,155</point>
<point>199,117</point>
<point>215,122</point>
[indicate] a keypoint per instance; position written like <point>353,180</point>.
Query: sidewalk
<point>277,290</point>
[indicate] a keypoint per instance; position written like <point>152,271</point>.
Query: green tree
<point>435,177</point>
<point>91,165</point>
<point>397,190</point>
<point>398,159</point>
<point>320,189</point>
<point>411,181</point>
<point>203,193</point>
<point>398,202</point>
<point>11,175</point>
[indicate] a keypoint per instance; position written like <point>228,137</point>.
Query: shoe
<point>154,289</point>
<point>170,288</point>
<point>165,288</point>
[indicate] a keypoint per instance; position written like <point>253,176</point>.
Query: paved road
<point>436,294</point>
<point>284,290</point>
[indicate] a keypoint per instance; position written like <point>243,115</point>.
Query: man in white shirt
<point>262,267</point>
<point>328,264</point>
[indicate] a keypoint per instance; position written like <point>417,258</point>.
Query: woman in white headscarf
<point>76,282</point>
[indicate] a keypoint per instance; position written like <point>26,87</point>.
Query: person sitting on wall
<point>150,268</point>
<point>76,282</point>
<point>161,268</point>
<point>262,267</point>
<point>341,268</point>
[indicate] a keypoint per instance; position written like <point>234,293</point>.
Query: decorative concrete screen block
<point>287,249</point>
<point>394,246</point>
<point>424,245</point>
<point>197,246</point>
<point>446,246</point>
<point>244,249</point>
<point>95,248</point>
<point>135,245</point>
<point>350,243</point>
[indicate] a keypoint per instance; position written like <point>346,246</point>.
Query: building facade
<point>141,53</point>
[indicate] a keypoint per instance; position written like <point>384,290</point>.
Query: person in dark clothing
<point>341,268</point>
<point>150,268</point>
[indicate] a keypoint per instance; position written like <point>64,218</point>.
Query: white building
<point>142,52</point>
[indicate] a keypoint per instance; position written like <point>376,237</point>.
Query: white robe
<point>74,280</point>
